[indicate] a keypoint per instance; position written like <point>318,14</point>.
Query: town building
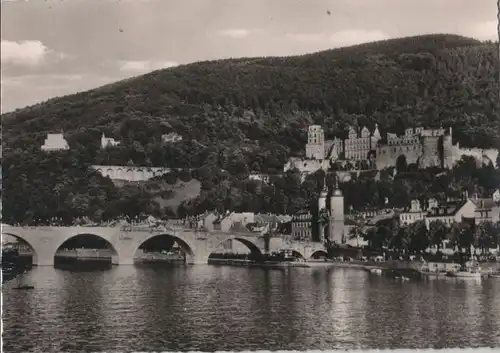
<point>55,142</point>
<point>413,214</point>
<point>301,226</point>
<point>453,211</point>
<point>108,141</point>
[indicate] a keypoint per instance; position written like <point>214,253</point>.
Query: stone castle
<point>423,147</point>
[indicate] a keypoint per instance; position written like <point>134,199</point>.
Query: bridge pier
<point>45,261</point>
<point>197,259</point>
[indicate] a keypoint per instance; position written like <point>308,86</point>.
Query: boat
<point>469,270</point>
<point>437,270</point>
<point>377,271</point>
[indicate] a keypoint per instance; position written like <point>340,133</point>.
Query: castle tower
<point>336,231</point>
<point>315,148</point>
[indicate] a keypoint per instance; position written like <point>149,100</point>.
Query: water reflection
<point>181,307</point>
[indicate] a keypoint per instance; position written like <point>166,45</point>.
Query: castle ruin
<point>423,147</point>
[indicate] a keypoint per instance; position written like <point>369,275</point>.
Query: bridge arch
<point>185,245</point>
<point>296,253</point>
<point>317,253</point>
<point>248,243</point>
<point>88,237</point>
<point>34,252</point>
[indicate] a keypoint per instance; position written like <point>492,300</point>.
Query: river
<point>208,308</point>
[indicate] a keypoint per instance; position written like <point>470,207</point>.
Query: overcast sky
<point>52,48</point>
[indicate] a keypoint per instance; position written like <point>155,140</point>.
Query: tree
<point>323,221</point>
<point>485,236</point>
<point>402,240</point>
<point>419,237</point>
<point>401,164</point>
<point>356,232</point>
<point>437,233</point>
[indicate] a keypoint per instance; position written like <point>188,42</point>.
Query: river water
<point>208,308</point>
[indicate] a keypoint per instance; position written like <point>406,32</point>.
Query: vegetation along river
<point>128,308</point>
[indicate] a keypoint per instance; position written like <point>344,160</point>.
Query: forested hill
<point>429,80</point>
<point>243,115</point>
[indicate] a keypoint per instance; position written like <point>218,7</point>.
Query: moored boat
<point>432,269</point>
<point>469,270</point>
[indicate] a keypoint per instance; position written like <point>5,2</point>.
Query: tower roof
<point>324,192</point>
<point>337,191</point>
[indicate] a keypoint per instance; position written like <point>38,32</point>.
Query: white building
<point>55,142</point>
<point>496,196</point>
<point>108,141</point>
<point>413,214</point>
<point>259,177</point>
<point>171,137</point>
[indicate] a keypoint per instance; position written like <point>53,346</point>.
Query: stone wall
<point>130,173</point>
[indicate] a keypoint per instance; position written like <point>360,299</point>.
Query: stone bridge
<point>123,242</point>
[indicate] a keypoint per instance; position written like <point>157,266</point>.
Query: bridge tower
<point>323,212</point>
<point>336,221</point>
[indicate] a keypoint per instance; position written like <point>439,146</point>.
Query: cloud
<point>235,32</point>
<point>28,52</point>
<point>341,38</point>
<point>356,36</point>
<point>484,31</point>
<point>145,66</point>
<point>308,37</point>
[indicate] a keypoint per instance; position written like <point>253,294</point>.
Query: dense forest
<point>243,115</point>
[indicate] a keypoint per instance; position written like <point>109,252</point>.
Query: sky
<point>52,48</point>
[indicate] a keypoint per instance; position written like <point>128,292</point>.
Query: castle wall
<point>130,173</point>
<point>315,151</point>
<point>388,155</point>
<point>431,156</point>
<point>479,154</point>
<point>307,166</point>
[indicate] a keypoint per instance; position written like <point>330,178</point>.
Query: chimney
<point>466,194</point>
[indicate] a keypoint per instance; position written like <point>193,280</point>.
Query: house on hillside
<point>259,177</point>
<point>55,142</point>
<point>171,137</point>
<point>108,141</point>
<point>451,212</point>
<point>412,214</point>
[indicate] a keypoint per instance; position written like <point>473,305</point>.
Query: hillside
<point>250,114</point>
